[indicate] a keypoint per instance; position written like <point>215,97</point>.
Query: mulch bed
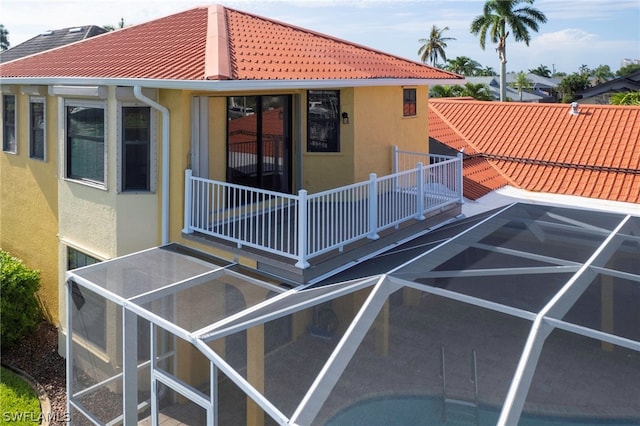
<point>37,355</point>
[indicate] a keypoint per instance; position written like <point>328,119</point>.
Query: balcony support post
<point>394,160</point>
<point>420,191</point>
<point>303,231</point>
<point>460,176</point>
<point>373,207</point>
<point>188,201</point>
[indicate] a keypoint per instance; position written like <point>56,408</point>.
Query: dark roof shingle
<point>50,40</point>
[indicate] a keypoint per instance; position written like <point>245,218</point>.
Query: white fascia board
<point>509,194</point>
<point>229,85</point>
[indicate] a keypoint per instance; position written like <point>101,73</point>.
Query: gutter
<point>137,92</point>
<point>232,85</point>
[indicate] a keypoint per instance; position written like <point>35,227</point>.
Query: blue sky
<point>589,32</point>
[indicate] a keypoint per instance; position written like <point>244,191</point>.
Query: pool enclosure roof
<point>543,303</point>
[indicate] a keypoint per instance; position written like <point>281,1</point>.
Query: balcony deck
<point>302,238</point>
<point>334,261</point>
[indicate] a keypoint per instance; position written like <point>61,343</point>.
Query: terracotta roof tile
<point>218,43</point>
<point>141,51</point>
<point>541,147</point>
<point>267,49</point>
<point>480,178</point>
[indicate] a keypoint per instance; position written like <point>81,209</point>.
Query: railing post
<point>394,159</point>
<point>373,207</point>
<point>303,230</point>
<point>460,176</point>
<point>188,201</point>
<point>420,192</point>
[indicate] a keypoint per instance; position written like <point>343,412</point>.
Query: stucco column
<point>411,296</point>
<point>255,372</point>
<point>382,330</point>
<point>606,308</point>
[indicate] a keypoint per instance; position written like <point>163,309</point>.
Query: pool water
<point>419,411</point>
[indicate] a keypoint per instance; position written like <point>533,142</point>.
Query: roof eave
<point>228,85</point>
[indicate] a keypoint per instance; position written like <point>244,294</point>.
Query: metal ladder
<point>460,411</point>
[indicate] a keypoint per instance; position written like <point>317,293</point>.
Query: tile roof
<point>50,40</point>
<point>218,43</point>
<point>542,147</point>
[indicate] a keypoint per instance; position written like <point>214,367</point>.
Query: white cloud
<point>561,40</point>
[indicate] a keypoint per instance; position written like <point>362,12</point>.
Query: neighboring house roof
<point>544,148</point>
<point>50,40</point>
<point>539,92</point>
<point>537,81</point>
<point>617,85</point>
<point>219,43</point>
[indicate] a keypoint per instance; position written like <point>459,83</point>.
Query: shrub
<point>19,306</point>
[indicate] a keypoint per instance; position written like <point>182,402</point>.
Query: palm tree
<point>542,71</point>
<point>4,38</point>
<point>601,74</point>
<point>497,17</point>
<point>113,27</point>
<point>449,91</point>
<point>486,72</point>
<point>463,65</point>
<point>626,98</point>
<point>434,46</point>
<point>479,91</point>
<point>521,83</point>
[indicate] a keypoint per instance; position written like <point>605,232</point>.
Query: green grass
<point>18,401</point>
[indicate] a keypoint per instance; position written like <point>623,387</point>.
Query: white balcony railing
<point>305,225</point>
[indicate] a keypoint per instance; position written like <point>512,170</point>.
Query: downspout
<point>137,92</point>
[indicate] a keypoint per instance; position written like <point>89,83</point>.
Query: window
<point>36,128</point>
<point>136,148</point>
<point>89,309</point>
<point>409,102</point>
<point>9,123</point>
<point>85,142</point>
<point>323,121</point>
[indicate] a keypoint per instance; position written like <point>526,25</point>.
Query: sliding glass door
<point>259,142</point>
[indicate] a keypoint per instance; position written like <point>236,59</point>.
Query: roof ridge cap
<point>216,57</point>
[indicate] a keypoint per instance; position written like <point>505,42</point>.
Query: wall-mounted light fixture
<point>345,118</point>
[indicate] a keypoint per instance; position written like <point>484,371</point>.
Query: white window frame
<point>86,104</point>
<point>153,137</point>
<point>39,100</point>
<point>15,124</point>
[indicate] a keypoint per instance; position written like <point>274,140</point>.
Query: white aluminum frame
<point>543,322</point>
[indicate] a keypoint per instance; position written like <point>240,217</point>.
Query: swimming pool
<point>427,411</point>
